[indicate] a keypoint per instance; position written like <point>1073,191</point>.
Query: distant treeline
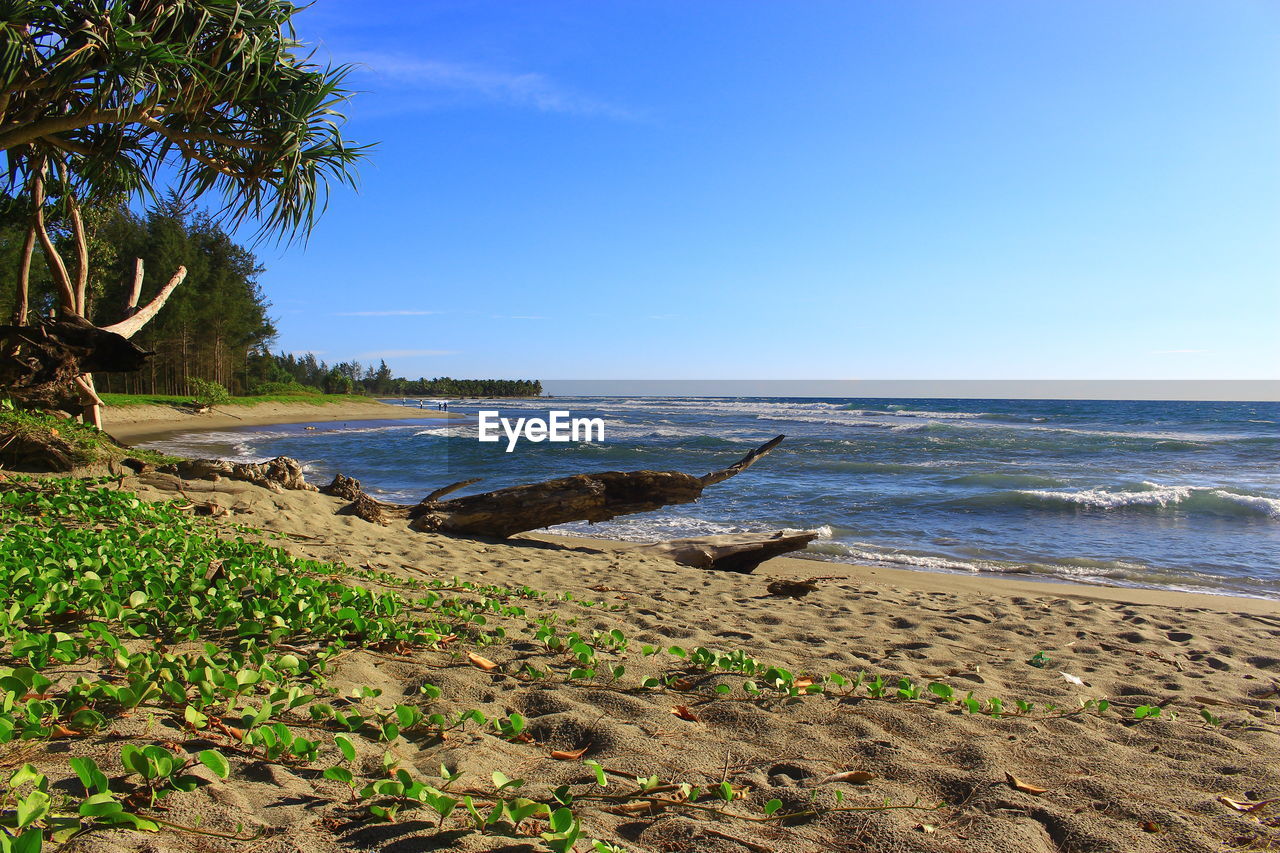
<point>277,372</point>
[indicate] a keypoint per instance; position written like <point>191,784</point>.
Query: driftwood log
<point>731,552</point>
<point>582,497</point>
<point>505,512</point>
<point>276,474</point>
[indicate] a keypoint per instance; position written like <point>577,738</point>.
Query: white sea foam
<point>913,413</point>
<point>1077,570</point>
<point>1157,495</point>
<point>652,529</point>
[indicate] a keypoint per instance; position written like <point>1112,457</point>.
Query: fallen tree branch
<point>582,497</point>
<point>731,552</point>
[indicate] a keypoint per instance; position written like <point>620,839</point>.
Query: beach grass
<point>77,445</point>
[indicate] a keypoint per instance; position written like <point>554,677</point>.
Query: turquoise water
<point>1158,494</point>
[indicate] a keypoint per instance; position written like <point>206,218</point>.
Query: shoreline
<point>136,424</point>
<point>153,423</point>
<point>928,581</point>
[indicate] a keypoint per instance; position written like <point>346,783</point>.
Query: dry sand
<point>134,424</point>
<point>1111,785</point>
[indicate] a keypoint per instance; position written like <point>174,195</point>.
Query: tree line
<point>216,327</point>
<point>283,371</point>
<point>205,330</point>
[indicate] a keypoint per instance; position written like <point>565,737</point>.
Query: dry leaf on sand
<point>1018,785</point>
<point>683,712</point>
<point>1245,805</point>
<point>483,663</point>
<point>569,754</point>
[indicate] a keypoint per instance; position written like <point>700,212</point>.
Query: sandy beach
<point>134,424</point>
<point>641,428</point>
<point>1040,780</point>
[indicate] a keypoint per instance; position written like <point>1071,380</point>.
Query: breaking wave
<point>1149,496</point>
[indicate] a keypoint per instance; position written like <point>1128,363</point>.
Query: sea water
<point>1178,495</point>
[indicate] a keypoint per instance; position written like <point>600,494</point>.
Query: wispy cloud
<point>1176,351</point>
<point>384,313</point>
<point>405,353</point>
<point>523,89</point>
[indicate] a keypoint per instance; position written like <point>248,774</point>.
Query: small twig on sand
<point>750,845</point>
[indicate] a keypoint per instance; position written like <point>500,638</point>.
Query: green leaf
<point>346,747</point>
<point>601,779</point>
<point>32,808</point>
<point>561,820</point>
<point>340,774</point>
<point>942,691</point>
<point>30,841</point>
<point>521,809</point>
<point>93,779</point>
<point>100,805</point>
<point>501,782</point>
<point>215,762</point>
<point>772,806</point>
<point>133,759</point>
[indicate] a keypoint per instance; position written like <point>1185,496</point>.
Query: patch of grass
<point>312,398</point>
<point>26,434</point>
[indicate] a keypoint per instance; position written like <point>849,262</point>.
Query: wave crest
<point>1155,496</point>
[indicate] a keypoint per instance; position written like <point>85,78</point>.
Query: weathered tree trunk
<point>50,364</point>
<point>585,497</point>
<point>582,497</point>
<point>41,364</point>
<point>732,552</point>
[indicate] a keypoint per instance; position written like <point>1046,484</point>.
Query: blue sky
<point>785,190</point>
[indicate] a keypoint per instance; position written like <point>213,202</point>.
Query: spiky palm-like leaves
<point>217,89</point>
<point>97,96</point>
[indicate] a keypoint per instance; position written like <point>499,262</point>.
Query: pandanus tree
<point>108,99</point>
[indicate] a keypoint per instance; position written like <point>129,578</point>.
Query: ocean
<point>1171,495</point>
